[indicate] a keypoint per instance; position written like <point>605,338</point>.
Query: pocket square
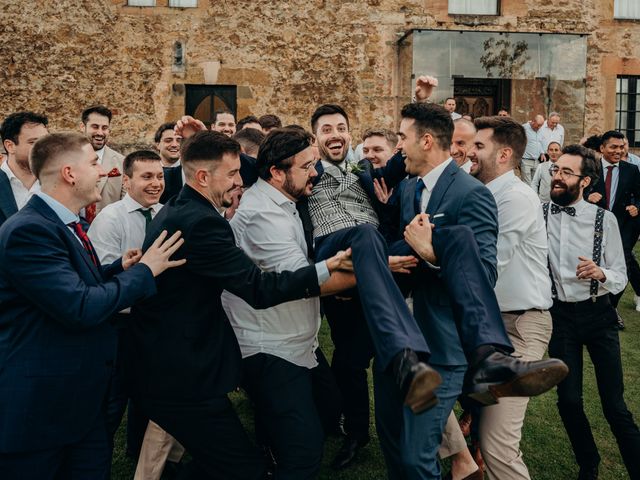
<point>114,173</point>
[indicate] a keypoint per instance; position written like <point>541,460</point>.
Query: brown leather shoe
<point>417,381</point>
<point>477,475</point>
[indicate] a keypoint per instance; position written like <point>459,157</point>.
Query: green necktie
<point>146,213</point>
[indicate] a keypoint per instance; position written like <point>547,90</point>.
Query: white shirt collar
<point>431,178</point>
<point>581,205</point>
<point>500,182</point>
<point>100,153</point>
<point>132,205</point>
<point>342,165</point>
<point>12,177</point>
<point>606,164</point>
<point>272,192</point>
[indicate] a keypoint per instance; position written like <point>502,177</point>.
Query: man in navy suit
<point>56,346</point>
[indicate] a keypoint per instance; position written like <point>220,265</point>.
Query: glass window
<point>626,9</point>
<point>473,7</point>
<point>628,108</point>
<point>183,3</point>
<point>141,3</point>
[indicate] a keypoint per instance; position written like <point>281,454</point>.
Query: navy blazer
<point>8,204</point>
<point>56,346</point>
<point>457,199</point>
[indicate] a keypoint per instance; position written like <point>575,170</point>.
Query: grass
<point>545,445</point>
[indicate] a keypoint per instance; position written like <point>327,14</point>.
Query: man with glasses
<point>587,268</point>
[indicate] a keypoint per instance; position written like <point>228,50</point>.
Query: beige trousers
<point>157,447</point>
<point>501,424</point>
<point>452,439</point>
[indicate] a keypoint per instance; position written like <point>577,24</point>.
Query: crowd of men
<point>453,253</point>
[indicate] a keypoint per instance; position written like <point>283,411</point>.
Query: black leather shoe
<point>347,453</point>
<point>417,381</point>
<point>588,473</point>
<point>500,375</point>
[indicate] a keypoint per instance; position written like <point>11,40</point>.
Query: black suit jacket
<point>180,347</point>
<point>627,193</point>
<point>8,204</point>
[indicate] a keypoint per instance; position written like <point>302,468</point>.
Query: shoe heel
<point>484,396</point>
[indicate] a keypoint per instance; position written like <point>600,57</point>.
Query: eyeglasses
<point>564,173</point>
<point>307,168</point>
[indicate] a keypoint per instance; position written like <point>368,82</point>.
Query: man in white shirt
<point>19,132</point>
<point>279,345</point>
<point>523,288</point>
<point>534,149</point>
<point>96,126</point>
<point>551,131</point>
<point>587,265</point>
<point>168,144</point>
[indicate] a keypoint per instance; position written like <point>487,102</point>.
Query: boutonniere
<point>114,173</point>
<point>354,168</point>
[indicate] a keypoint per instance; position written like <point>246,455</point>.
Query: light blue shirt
<point>63,213</point>
<point>614,180</point>
<point>533,150</point>
<point>633,160</point>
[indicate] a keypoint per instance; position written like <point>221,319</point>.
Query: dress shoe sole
<point>421,395</point>
<point>529,384</point>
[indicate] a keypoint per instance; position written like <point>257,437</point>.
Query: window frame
<point>129,4</point>
<point>615,3</point>
<point>497,13</point>
<point>631,129</point>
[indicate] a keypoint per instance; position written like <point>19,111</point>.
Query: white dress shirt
<point>572,237</point>
<point>268,228</point>
<point>633,160</point>
<point>547,135</point>
<point>119,227</point>
<point>21,193</point>
<point>541,182</point>
<point>614,180</point>
<point>533,150</point>
<point>430,180</point>
<point>455,116</point>
<point>523,277</point>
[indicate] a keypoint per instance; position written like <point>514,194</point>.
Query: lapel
<point>43,209</point>
<point>623,178</point>
<point>440,189</point>
<point>8,204</point>
<point>320,171</point>
<point>107,166</point>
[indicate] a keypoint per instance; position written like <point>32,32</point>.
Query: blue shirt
<point>63,213</point>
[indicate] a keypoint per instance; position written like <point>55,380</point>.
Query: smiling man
<point>463,134</point>
<point>168,144</point>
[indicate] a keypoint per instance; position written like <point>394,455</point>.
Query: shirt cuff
<point>323,272</point>
<point>610,284</point>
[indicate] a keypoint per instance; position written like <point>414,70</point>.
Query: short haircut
<point>606,136</point>
<point>275,148</point>
<point>557,143</point>
<point>99,109</point>
<point>554,114</point>
<point>506,132</point>
<point>248,119</point>
<point>589,165</point>
<point>220,112</point>
<point>52,146</point>
<point>431,118</point>
<point>207,146</point>
<point>449,98</point>
<point>12,125</point>
<point>390,136</point>
<point>270,120</point>
<point>249,138</point>
<point>161,129</point>
<point>138,156</point>
<point>327,109</point>
<point>593,142</point>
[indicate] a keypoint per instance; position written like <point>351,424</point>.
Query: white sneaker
<point>636,300</point>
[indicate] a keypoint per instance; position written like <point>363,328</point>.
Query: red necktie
<point>607,185</point>
<point>86,243</point>
<point>90,212</point>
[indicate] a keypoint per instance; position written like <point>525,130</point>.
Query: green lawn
<point>545,444</point>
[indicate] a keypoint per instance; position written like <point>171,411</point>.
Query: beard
<point>564,197</point>
<point>291,189</point>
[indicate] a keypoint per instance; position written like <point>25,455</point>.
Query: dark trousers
<point>391,324</point>
<point>629,234</point>
<point>212,433</point>
<point>287,413</point>
<point>592,325</point>
<point>351,359</point>
<point>87,459</point>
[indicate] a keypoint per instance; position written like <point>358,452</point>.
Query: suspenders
<point>597,250</point>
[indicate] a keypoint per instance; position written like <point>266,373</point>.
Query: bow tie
<point>568,210</point>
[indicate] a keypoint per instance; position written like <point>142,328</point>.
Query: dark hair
<point>52,146</point>
<point>279,149</point>
<point>589,165</point>
<point>208,146</point>
<point>593,142</point>
<point>506,132</point>
<point>12,125</point>
<point>161,129</point>
<point>611,134</point>
<point>431,118</point>
<point>249,138</point>
<point>327,109</point>
<point>248,119</point>
<point>220,112</point>
<point>270,121</point>
<point>389,136</point>
<point>450,98</point>
<point>138,156</point>
<point>99,109</point>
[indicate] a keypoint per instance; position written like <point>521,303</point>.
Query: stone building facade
<point>286,57</point>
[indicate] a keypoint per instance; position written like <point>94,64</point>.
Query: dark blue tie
<point>420,186</point>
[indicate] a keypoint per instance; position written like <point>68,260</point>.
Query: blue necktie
<point>420,186</point>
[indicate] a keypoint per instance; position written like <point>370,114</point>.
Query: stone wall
<point>285,57</point>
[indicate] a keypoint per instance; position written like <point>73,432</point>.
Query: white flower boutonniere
<point>354,168</point>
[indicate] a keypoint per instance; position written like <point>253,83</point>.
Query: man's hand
<point>418,235</point>
<point>235,201</point>
<point>381,191</point>
<point>131,257</point>
<point>587,269</point>
<point>632,209</point>
<point>424,87</point>
<point>158,254</point>
<point>187,126</point>
<point>402,264</point>
<point>340,261</point>
<point>594,197</point>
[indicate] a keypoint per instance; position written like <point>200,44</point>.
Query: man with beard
<point>224,122</point>
<point>168,144</point>
<point>19,132</point>
<point>96,126</point>
<point>587,267</point>
<point>279,345</point>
